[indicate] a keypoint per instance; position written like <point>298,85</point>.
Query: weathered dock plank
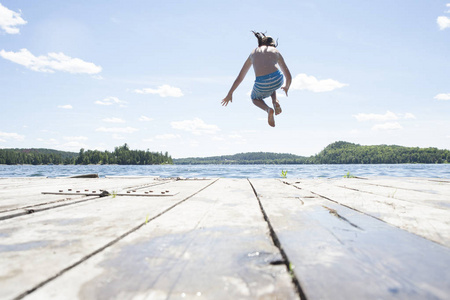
<point>427,185</point>
<point>35,248</point>
<point>214,239</point>
<point>213,246</point>
<point>425,192</point>
<point>427,221</point>
<point>339,253</point>
<point>20,196</point>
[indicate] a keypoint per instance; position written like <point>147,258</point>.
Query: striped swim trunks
<point>265,85</point>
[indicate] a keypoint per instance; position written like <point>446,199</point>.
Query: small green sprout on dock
<point>291,270</point>
<point>349,175</point>
<point>291,267</point>
<point>284,173</point>
<point>393,194</point>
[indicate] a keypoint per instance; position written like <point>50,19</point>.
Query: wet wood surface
<point>349,238</point>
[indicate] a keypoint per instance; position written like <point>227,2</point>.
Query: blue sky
<point>98,74</point>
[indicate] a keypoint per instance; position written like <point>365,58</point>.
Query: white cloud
<point>51,63</point>
<point>9,20</point>
<point>235,136</point>
<point>113,120</point>
<point>111,101</point>
<point>68,106</point>
<point>442,96</point>
<point>311,83</point>
<point>48,142</point>
<point>194,143</point>
<point>387,126</point>
<point>11,135</point>
<point>408,116</point>
<point>361,117</point>
<point>75,138</point>
<point>195,126</point>
<point>376,117</point>
<point>145,119</point>
<point>167,136</point>
<point>163,91</point>
<point>115,20</point>
<point>74,146</point>
<point>117,129</point>
<point>443,22</point>
<point>118,136</point>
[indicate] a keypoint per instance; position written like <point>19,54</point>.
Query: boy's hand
<point>285,89</point>
<point>227,99</point>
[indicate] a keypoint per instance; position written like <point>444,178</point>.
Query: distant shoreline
<point>232,164</point>
<point>335,153</point>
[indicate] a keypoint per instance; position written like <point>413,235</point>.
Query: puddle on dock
<point>72,221</point>
<point>23,246</point>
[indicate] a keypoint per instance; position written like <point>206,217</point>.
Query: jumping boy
<point>268,78</point>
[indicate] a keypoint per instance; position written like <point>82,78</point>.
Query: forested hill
<point>35,156</point>
<point>336,153</point>
<point>121,155</point>
<point>349,153</point>
<point>44,151</point>
<point>245,159</point>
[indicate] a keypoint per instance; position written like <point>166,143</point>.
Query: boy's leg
<point>261,104</point>
<point>276,104</point>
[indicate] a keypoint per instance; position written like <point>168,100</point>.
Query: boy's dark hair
<point>264,40</point>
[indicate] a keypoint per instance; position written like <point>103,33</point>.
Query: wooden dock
<point>153,238</point>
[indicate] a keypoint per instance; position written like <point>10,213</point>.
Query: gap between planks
<point>277,243</point>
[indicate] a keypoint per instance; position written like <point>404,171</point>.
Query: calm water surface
<point>233,171</point>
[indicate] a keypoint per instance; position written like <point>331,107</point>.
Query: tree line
<point>121,155</point>
<point>35,157</point>
<point>249,158</point>
<point>335,153</point>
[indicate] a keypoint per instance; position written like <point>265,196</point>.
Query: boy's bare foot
<point>271,118</point>
<point>277,107</point>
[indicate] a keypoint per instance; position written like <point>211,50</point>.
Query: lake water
<point>232,171</point>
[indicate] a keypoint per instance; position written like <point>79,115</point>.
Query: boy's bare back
<point>264,60</point>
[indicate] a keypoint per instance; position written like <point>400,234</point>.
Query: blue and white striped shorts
<point>265,85</point>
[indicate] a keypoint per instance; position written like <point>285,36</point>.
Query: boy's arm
<point>286,73</point>
<point>237,82</point>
